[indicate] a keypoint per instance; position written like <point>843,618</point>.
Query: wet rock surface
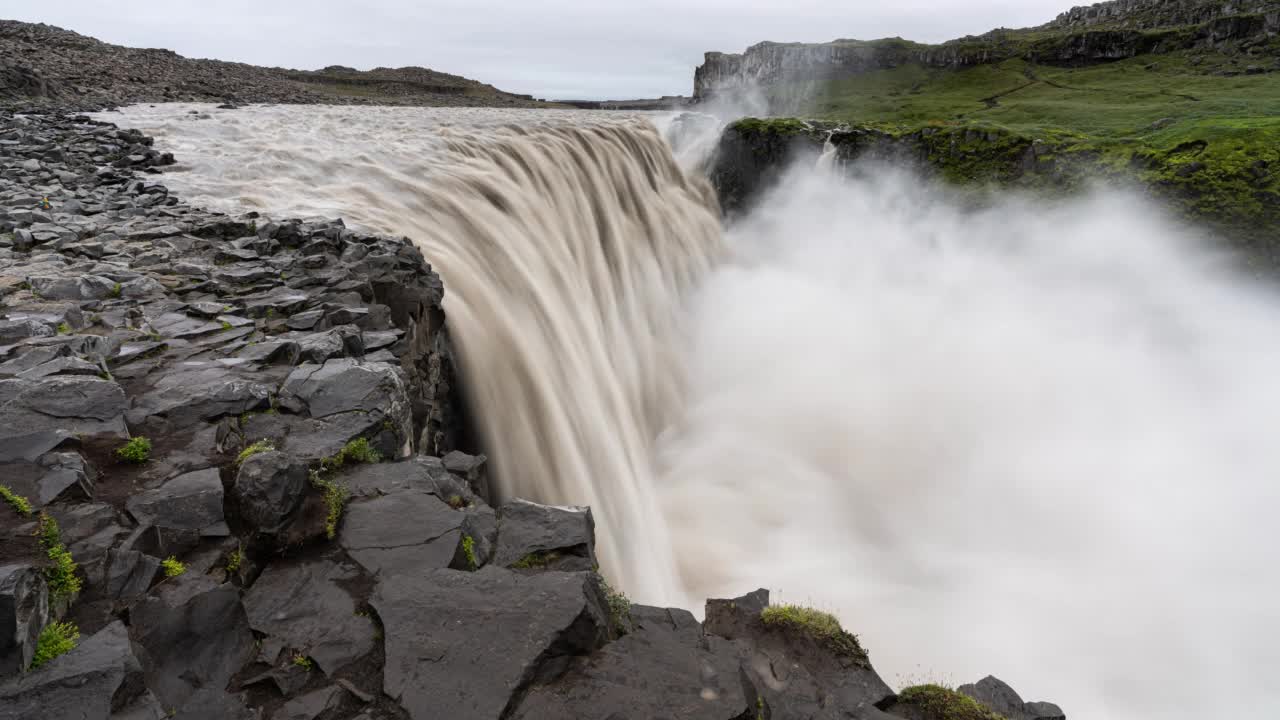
<point>299,536</point>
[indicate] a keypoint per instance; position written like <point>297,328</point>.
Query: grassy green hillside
<point>1199,130</point>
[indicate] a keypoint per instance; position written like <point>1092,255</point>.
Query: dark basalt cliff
<point>1100,33</point>
<point>233,489</point>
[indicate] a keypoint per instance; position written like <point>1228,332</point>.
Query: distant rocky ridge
<point>1099,33</point>
<point>48,66</point>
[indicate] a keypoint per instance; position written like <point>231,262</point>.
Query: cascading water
<point>1033,441</point>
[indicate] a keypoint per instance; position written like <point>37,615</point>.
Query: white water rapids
<point>1029,441</point>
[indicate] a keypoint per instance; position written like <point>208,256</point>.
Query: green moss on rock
<point>935,702</point>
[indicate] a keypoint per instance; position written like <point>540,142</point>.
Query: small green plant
<point>115,290</point>
<point>937,702</point>
<point>469,552</point>
<point>226,325</point>
<point>536,560</point>
<point>259,447</point>
<point>253,227</point>
<point>335,497</point>
<point>235,560</point>
<point>57,638</point>
<point>136,451</point>
<point>63,328</point>
<point>20,504</point>
<point>456,502</point>
<point>173,567</point>
<point>304,662</point>
<point>823,627</point>
<point>61,574</point>
<point>619,607</point>
<point>356,451</point>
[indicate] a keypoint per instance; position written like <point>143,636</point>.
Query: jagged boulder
<point>797,668</point>
<point>305,606</point>
<point>466,645</point>
<point>664,667</point>
<point>269,488</point>
<point>98,680</point>
<point>997,695</point>
<point>534,536</point>
<point>193,635</point>
<point>192,501</point>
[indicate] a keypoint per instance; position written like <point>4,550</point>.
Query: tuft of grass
<point>619,607</point>
<point>235,560</point>
<point>822,627</point>
<point>771,126</point>
<point>259,447</point>
<point>936,702</point>
<point>226,325</point>
<point>335,498</point>
<point>115,290</point>
<point>63,328</point>
<point>57,638</point>
<point>304,662</point>
<point>356,451</point>
<point>21,505</point>
<point>469,551</point>
<point>173,567</point>
<point>456,502</point>
<point>536,560</point>
<point>61,574</point>
<point>136,451</point>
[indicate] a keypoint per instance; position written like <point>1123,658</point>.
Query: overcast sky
<point>563,49</point>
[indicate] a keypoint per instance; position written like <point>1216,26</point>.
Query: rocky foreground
<point>233,485</point>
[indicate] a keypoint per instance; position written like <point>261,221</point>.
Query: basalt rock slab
<point>73,405</point>
<point>545,536</point>
<point>791,672</point>
<point>664,667</point>
<point>98,678</point>
<point>466,645</point>
<point>306,607</point>
<point>405,532</point>
<point>192,501</point>
<point>193,635</point>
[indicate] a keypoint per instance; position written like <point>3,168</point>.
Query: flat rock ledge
<point>296,534</point>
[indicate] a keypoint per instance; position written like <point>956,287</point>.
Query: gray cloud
<point>550,48</point>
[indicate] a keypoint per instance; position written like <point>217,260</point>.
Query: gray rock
<point>311,705</point>
<point>996,694</point>
<point>787,668</point>
<point>404,532</point>
<point>562,538</point>
<point>87,287</point>
<point>76,405</point>
<point>24,610</point>
<point>466,645</point>
<point>192,501</point>
<point>269,487</point>
<point>663,668</point>
<point>128,574</point>
<point>194,635</point>
<point>202,392</point>
<point>470,468</point>
<point>305,606</point>
<point>11,331</point>
<point>343,385</point>
<point>85,684</point>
